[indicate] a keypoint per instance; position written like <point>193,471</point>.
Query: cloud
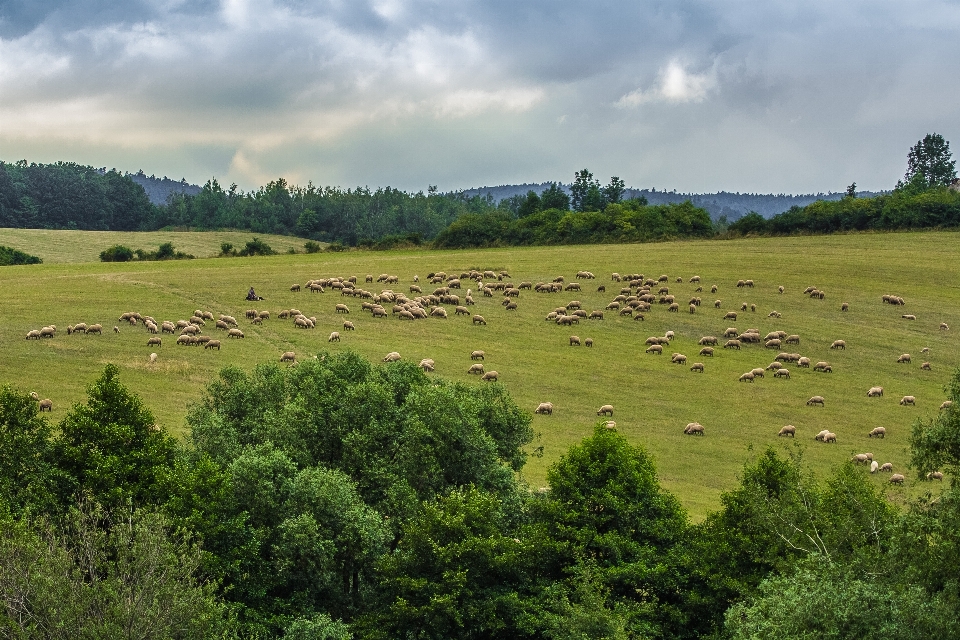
<point>778,96</point>
<point>674,84</point>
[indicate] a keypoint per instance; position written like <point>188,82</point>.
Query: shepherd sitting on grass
<point>251,295</point>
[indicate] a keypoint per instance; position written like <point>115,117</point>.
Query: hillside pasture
<point>653,398</point>
<point>85,246</point>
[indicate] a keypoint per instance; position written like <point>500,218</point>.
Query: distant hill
<point>732,205</point>
<point>159,189</point>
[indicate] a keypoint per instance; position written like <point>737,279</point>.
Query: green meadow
<point>653,398</point>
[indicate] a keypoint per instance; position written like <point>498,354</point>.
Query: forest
<point>340,499</point>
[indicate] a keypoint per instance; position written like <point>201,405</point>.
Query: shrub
<point>311,246</point>
<point>257,247</point>
<point>10,256</point>
<point>336,246</point>
<point>117,253</point>
<point>226,249</point>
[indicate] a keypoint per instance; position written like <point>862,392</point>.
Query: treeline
<point>904,208</point>
<point>338,500</point>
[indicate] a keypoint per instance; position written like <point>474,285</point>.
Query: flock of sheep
<point>637,296</point>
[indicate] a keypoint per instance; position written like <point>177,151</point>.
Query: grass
<point>653,398</point>
<point>85,246</point>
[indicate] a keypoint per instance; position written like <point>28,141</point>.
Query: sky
<point>763,96</point>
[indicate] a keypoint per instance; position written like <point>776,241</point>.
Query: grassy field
<point>653,398</point>
<point>85,246</point>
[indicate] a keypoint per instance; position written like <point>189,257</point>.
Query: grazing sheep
<point>944,327</point>
<point>477,355</point>
<point>490,376</point>
<point>234,333</point>
<point>679,358</point>
<point>815,400</point>
<point>838,344</point>
<point>717,303</point>
<point>909,316</point>
<point>780,288</point>
<point>925,367</point>
<point>697,366</point>
<point>707,340</point>
<point>935,475</point>
<point>393,356</point>
<point>588,342</point>
<point>877,432</point>
<point>212,344</point>
<point>758,372</point>
<point>706,351</point>
<point>545,408</point>
<point>46,405</point>
<point>820,436</point>
<point>860,458</point>
<point>747,377</point>
<point>342,308</point>
<point>605,410</point>
<point>154,341</point>
<point>427,364</point>
<point>674,307</point>
<point>792,339</point>
<point>774,366</point>
<point>732,344</point>
<point>48,332</point>
<point>820,366</point>
<point>803,362</point>
<point>874,466</point>
<point>35,396</point>
<point>908,400</point>
<point>288,356</point>
<point>946,404</point>
<point>844,307</point>
<point>788,430</point>
<point>904,358</point>
<point>116,329</point>
<point>655,349</point>
<point>713,289</point>
<point>772,344</point>
<point>334,337</point>
<point>693,429</point>
<point>475,368</point>
<point>731,315</point>
<point>830,437</point>
<point>897,478</point>
<point>741,284</point>
<point>479,320</point>
<point>875,392</point>
<point>886,466</point>
<point>153,358</point>
<point>574,341</point>
<point>730,332</point>
<point>743,307</point>
<point>33,335</point>
<point>782,373</point>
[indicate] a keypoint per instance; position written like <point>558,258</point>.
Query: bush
<point>336,247</point>
<point>10,256</point>
<point>226,249</point>
<point>257,247</point>
<point>311,246</point>
<point>117,253</point>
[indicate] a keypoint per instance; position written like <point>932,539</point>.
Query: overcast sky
<point>693,95</point>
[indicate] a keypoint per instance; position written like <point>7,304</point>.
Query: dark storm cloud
<point>695,95</point>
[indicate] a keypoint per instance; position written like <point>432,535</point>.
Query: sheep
<point>747,377</point>
<point>679,358</point>
<point>780,288</point>
<point>732,344</point>
<point>153,358</point>
<point>844,306</point>
<point>33,334</point>
<point>605,410</point>
<point>908,400</point>
<point>669,335</point>
<point>47,332</point>
<point>830,437</point>
<point>46,405</point>
<point>749,283</point>
<point>820,436</point>
<point>782,373</point>
<point>731,315</point>
<point>925,367</point>
<point>741,284</point>
<point>490,376</point>
<point>743,307</point>
<point>334,337</point>
<point>944,326</point>
<point>183,339</point>
<point>427,364</point>
<point>655,349</point>
<point>697,366</point>
<point>713,289</point>
<point>904,358</point>
<point>707,340</point>
<point>820,366</point>
<point>154,341</point>
<point>877,432</point>
<point>839,344</point>
<point>792,339</point>
<point>758,372</point>
<point>875,392</point>
<point>886,466</point>
<point>774,366</point>
<point>475,368</point>
<point>574,341</point>
<point>342,308</point>
<point>897,478</point>
<point>935,475</point>
<point>478,319</point>
<point>909,316</point>
<point>212,344</point>
<point>544,408</point>
<point>588,342</point>
<point>814,400</point>
<point>946,404</point>
<point>35,396</point>
<point>288,356</point>
<point>788,430</point>
<point>693,429</point>
<point>773,343</point>
<point>674,307</point>
<point>860,458</point>
<point>706,351</point>
<point>803,362</point>
<point>874,466</point>
<point>730,332</point>
<point>234,333</point>
<point>717,303</point>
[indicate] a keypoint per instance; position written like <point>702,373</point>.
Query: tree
<point>554,197</point>
<point>530,205</point>
<point>26,474</point>
<point>931,159</point>
<point>613,192</point>
<point>852,190</point>
<point>583,190</point>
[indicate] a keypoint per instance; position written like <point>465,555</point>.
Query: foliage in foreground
<point>338,499</point>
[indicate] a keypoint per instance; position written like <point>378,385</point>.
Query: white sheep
<point>545,408</point>
<point>908,400</point>
<point>393,356</point>
<point>605,410</point>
